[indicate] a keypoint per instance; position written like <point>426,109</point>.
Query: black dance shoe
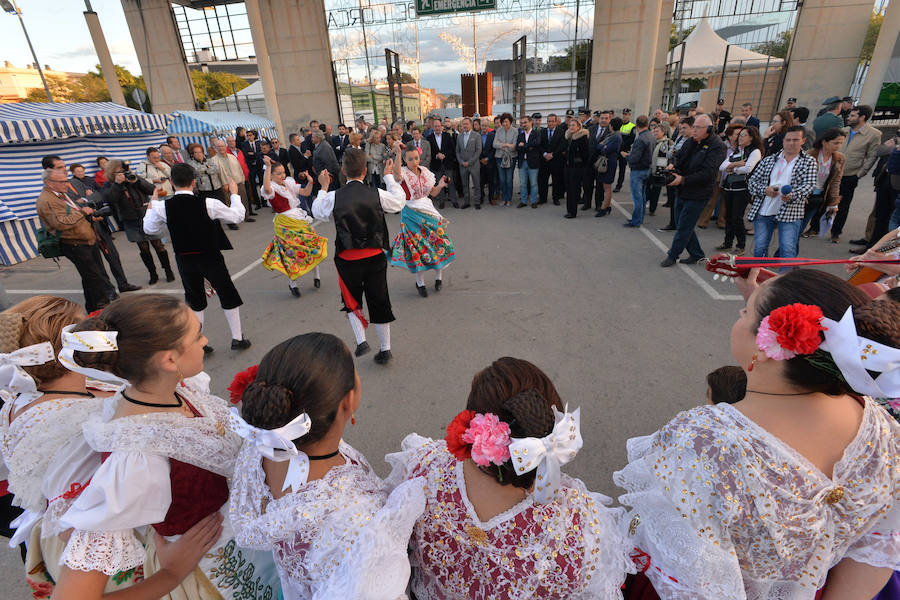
<point>362,349</point>
<point>383,357</point>
<point>317,283</point>
<point>295,292</point>
<point>423,291</point>
<point>241,344</point>
<point>208,350</point>
<point>438,284</point>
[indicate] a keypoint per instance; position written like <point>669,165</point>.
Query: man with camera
<point>695,168</point>
<point>72,224</point>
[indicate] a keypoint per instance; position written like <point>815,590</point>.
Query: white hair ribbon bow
<point>548,453</point>
<point>278,445</point>
<point>855,356</point>
<point>13,377</point>
<point>88,341</point>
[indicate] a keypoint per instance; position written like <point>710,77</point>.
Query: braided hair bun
<point>36,320</point>
<point>879,321</point>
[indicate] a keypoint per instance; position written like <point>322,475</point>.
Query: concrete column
<point>160,54</point>
<point>888,38</point>
<point>264,65</point>
<point>631,40</point>
<point>825,50</point>
<point>299,57</point>
<point>106,62</point>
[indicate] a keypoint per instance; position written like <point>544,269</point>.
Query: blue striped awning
<point>18,241</point>
<point>41,121</point>
<point>20,165</point>
<point>196,126</point>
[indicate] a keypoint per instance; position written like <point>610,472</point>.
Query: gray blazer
<point>425,156</point>
<point>472,152</point>
<point>324,159</point>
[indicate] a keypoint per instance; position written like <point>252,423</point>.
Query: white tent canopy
<point>704,54</point>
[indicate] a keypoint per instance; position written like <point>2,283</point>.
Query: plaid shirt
<point>803,181</point>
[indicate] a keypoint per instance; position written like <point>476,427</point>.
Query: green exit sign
<point>438,7</point>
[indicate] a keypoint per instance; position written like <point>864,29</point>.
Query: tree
<point>215,85</point>
<point>564,63</point>
<point>406,78</point>
<point>93,86</point>
<point>871,37</point>
<point>62,89</point>
<point>676,37</point>
<point>777,47</point>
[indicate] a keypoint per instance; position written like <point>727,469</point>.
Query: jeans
<point>638,181</point>
<point>685,237</point>
<point>764,227</point>
<point>528,182</point>
<point>506,181</point>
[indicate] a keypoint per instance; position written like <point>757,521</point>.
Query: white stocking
<point>358,330</point>
<point>292,284</point>
<point>233,316</point>
<point>316,272</point>
<point>199,315</point>
<point>420,279</point>
<point>438,274</point>
<point>384,335</point>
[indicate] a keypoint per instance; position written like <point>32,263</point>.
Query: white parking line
<point>690,272</point>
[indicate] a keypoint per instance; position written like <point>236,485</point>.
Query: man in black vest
<point>198,240</point>
<point>361,245</point>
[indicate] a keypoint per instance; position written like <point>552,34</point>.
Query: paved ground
<point>584,299</point>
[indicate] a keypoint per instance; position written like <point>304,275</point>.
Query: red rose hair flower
<point>454,438</point>
<point>240,383</point>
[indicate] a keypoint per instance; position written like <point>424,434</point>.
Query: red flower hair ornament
<point>240,383</point>
<point>792,330</point>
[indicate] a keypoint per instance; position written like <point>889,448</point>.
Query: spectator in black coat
<point>443,158</point>
<point>578,155</point>
<point>252,150</point>
<point>553,160</point>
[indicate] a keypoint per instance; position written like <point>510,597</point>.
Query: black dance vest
<point>191,228</point>
<point>359,218</point>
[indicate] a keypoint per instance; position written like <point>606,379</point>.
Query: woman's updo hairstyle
<point>522,396</point>
<point>39,319</point>
<point>833,295</point>
<point>879,322</point>
<point>309,373</point>
<point>146,324</point>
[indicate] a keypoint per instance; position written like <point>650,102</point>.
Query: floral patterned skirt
<point>296,249</point>
<point>422,243</point>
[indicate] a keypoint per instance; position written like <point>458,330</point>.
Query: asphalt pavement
<point>584,299</point>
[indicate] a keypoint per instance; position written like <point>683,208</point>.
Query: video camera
<point>100,207</point>
<point>662,177</point>
<point>129,175</point>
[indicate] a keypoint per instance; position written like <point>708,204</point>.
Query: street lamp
<point>10,7</point>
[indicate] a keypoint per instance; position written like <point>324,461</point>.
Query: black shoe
<point>534,205</point>
<point>668,262</point>
<point>249,220</point>
<point>128,287</point>
<point>383,357</point>
<point>859,242</point>
<point>455,204</point>
<point>423,291</point>
<point>438,284</point>
<point>241,344</point>
<point>208,350</point>
<point>617,189</point>
<point>691,260</point>
<point>723,247</point>
<point>569,216</point>
<point>857,250</point>
<point>667,205</point>
<point>170,276</point>
<point>603,212</point>
<point>477,207</point>
<point>233,227</point>
<point>668,228</point>
<point>556,202</point>
<point>441,205</point>
<point>317,283</point>
<point>629,224</point>
<point>295,291</point>
<point>154,278</point>
<point>586,207</point>
<point>465,206</point>
<point>362,349</point>
<point>521,205</point>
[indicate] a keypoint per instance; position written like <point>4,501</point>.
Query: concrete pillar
<point>299,57</point>
<point>160,54</point>
<point>631,40</point>
<point>106,62</point>
<point>888,38</point>
<point>264,65</point>
<point>825,50</point>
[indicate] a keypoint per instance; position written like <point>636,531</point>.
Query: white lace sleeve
<point>403,463</point>
<point>378,567</point>
<point>106,551</point>
<point>880,546</point>
<point>679,540</point>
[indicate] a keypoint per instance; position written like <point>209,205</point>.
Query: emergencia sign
<point>436,7</point>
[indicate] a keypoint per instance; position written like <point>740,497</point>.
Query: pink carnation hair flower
<point>489,437</point>
<point>767,341</point>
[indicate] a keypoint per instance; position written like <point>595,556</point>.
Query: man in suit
<point>747,112</point>
<point>341,142</point>
<point>307,145</point>
<point>175,144</point>
<point>298,160</point>
<point>267,150</point>
<point>408,135</point>
<point>468,151</point>
<point>282,154</point>
<point>194,227</point>
<point>553,160</point>
<point>443,158</point>
<point>324,158</point>
<point>488,164</point>
<point>252,150</point>
<point>422,145</point>
<point>598,133</point>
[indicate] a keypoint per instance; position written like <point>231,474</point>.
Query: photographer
<point>128,195</point>
<point>695,166</point>
<point>62,216</point>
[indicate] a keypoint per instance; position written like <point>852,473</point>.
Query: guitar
<point>864,274</point>
<point>724,265</point>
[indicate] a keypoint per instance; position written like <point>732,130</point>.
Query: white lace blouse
<point>291,192</point>
<point>721,508</point>
<point>337,537</point>
<point>47,457</point>
<point>132,488</point>
<point>420,187</point>
<point>567,548</point>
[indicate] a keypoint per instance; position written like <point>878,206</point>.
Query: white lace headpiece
<point>14,378</point>
<point>855,356</point>
<point>548,453</point>
<point>88,341</point>
<point>278,445</point>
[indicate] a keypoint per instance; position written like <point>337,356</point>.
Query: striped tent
<point>78,133</point>
<point>197,127</point>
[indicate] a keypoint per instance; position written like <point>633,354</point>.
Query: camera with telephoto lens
<point>100,207</point>
<point>126,167</point>
<point>662,177</point>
